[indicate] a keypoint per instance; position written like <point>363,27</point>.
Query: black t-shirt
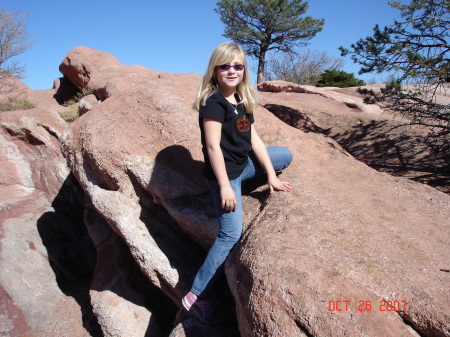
<point>235,140</point>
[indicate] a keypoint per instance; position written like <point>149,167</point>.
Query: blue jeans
<point>230,223</point>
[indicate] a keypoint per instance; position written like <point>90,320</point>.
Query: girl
<point>233,152</point>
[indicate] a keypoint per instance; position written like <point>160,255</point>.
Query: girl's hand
<point>276,184</point>
<point>229,202</point>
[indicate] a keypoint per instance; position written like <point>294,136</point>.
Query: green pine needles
<point>261,26</point>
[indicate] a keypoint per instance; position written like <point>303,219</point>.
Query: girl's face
<point>228,79</point>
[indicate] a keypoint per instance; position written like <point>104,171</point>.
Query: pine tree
<point>264,25</point>
<point>416,51</point>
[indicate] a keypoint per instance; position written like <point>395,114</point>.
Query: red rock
<point>346,232</point>
<point>33,172</point>
<point>86,104</point>
<point>89,68</point>
<point>12,87</point>
<point>383,141</point>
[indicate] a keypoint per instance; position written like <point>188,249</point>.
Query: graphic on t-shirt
<point>243,124</point>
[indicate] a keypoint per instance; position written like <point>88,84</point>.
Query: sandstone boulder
<point>12,87</point>
<point>383,141</point>
<point>102,72</point>
<point>346,232</point>
<point>86,104</point>
<point>37,228</point>
<point>332,94</point>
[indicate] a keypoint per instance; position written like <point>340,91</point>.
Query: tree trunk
<point>261,66</point>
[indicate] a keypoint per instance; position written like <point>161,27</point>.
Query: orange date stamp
<point>382,305</point>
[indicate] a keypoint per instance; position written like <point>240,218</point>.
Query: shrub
<point>17,104</point>
<point>338,78</point>
<point>73,112</point>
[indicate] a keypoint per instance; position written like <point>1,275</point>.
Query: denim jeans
<point>230,223</point>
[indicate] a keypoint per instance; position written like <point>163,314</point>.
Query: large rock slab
<point>386,141</point>
<point>346,96</point>
<point>355,238</point>
<point>346,232</point>
<point>101,72</point>
<point>34,214</point>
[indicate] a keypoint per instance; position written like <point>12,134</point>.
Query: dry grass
<point>17,104</point>
<point>71,113</point>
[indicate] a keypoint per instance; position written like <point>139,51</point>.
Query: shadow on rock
<point>294,118</point>
<point>65,90</point>
<point>394,150</point>
<point>70,251</point>
<point>175,167</point>
<point>119,279</point>
<point>384,145</point>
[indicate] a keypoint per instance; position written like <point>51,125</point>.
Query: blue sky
<point>175,36</point>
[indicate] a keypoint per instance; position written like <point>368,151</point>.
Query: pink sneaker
<point>203,309</point>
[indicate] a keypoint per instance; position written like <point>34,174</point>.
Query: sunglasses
<point>237,67</point>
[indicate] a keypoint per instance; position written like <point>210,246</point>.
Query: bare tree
<point>302,67</point>
<point>14,40</point>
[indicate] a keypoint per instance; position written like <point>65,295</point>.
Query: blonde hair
<point>224,54</point>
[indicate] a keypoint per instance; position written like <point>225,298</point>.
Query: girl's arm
<point>213,128</point>
<point>262,155</point>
